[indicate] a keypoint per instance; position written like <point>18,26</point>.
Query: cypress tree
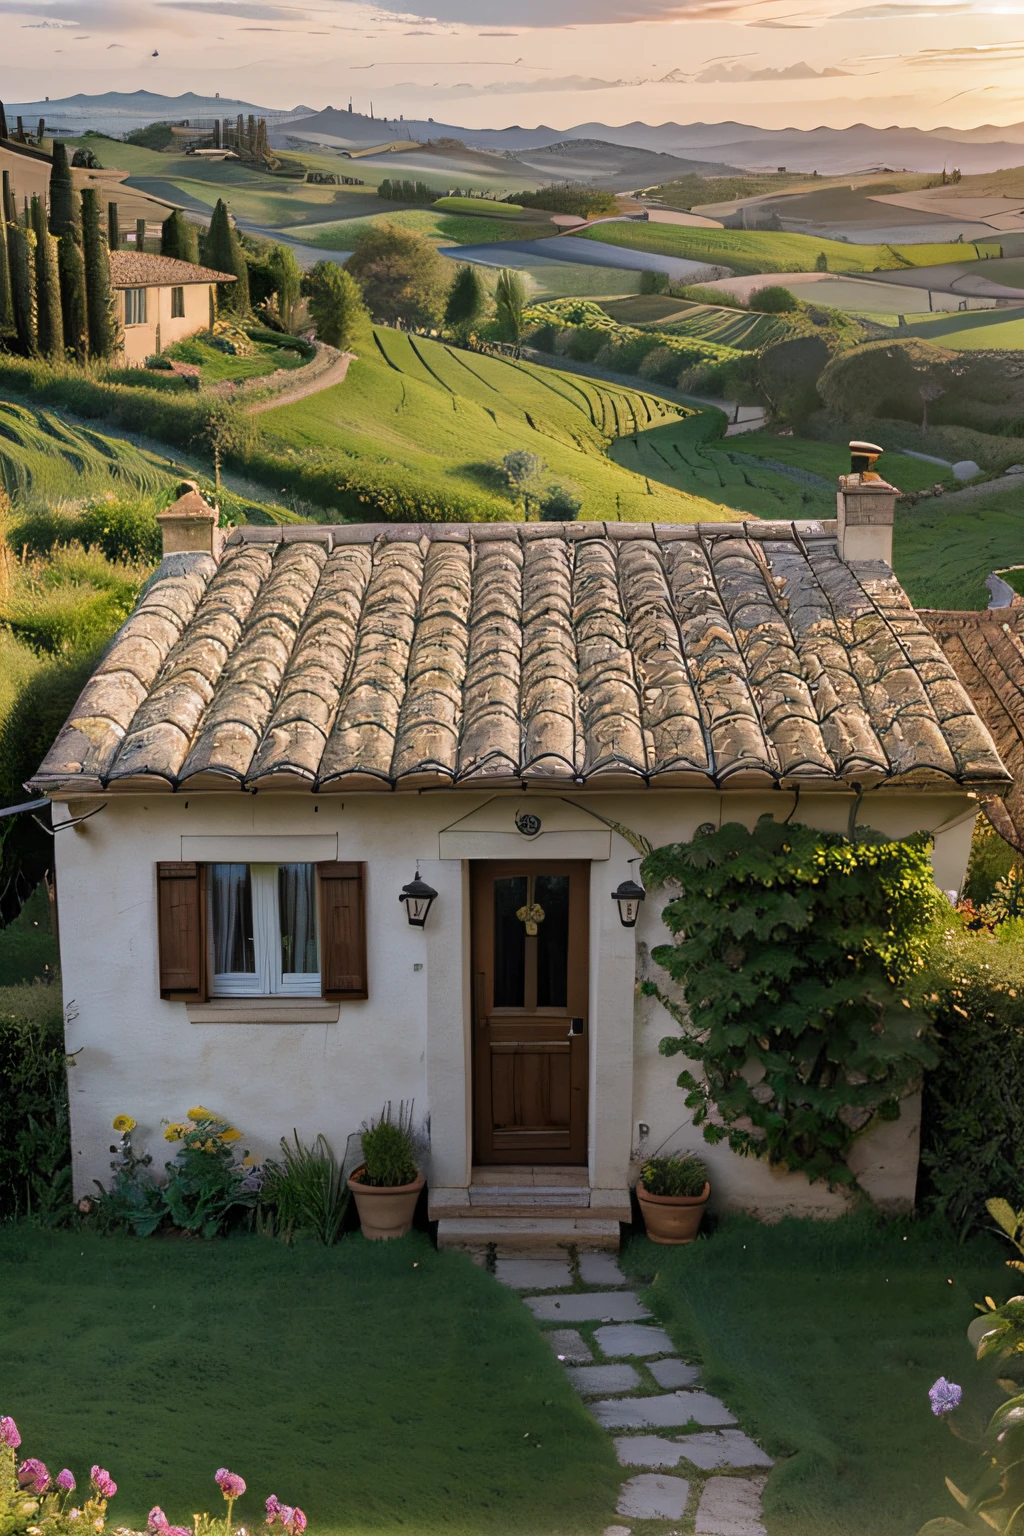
<point>9,211</point>
<point>251,135</point>
<point>99,296</point>
<point>71,270</point>
<point>113,227</point>
<point>6,311</point>
<point>224,254</point>
<point>140,235</point>
<point>49,324</point>
<point>63,203</point>
<point>20,246</point>
<point>179,238</point>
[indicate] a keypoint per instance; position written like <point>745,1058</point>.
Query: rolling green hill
<point>439,228</point>
<point>448,417</point>
<point>42,457</point>
<point>981,329</point>
<point>748,252</point>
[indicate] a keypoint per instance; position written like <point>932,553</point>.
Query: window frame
<point>268,979</point>
<point>138,306</point>
<point>178,302</point>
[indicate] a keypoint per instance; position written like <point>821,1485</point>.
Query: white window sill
<point>264,1010</point>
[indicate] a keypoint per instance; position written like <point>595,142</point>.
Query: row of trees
<point>407,192</point>
<point>56,297</point>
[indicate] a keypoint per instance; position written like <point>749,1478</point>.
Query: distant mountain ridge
<point>828,150</point>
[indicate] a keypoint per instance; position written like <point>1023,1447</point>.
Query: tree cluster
<point>408,192</point>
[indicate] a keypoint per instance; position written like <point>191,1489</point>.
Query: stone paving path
<point>625,1369</point>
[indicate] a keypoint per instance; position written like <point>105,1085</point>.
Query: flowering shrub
<point>206,1189</point>
<point>34,1503</point>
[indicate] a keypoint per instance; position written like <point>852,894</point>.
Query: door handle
<point>575,1027</point>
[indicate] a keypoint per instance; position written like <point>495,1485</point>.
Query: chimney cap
<point>862,458</point>
<point>189,523</point>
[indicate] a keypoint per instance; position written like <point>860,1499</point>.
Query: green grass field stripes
<point>42,456</point>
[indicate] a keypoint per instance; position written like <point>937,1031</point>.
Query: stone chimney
<point>190,524</point>
<point>865,508</point>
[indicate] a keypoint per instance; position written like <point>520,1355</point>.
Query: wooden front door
<point>530,926</point>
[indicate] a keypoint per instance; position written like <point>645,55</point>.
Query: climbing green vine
<point>799,955</point>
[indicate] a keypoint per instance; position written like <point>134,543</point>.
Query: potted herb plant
<point>673,1192</point>
<point>387,1183</point>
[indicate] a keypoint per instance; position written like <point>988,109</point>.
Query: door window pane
<point>296,902</point>
<point>510,893</point>
<point>234,949</point>
<point>552,893</point>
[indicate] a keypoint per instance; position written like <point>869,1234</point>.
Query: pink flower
<point>66,1481</point>
<point>273,1508</point>
<point>297,1524</point>
<point>33,1474</point>
<point>9,1433</point>
<point>230,1484</point>
<point>176,1530</point>
<point>286,1515</point>
<point>156,1520</point>
<point>103,1482</point>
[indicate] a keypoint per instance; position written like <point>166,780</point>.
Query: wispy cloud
<point>537,13</point>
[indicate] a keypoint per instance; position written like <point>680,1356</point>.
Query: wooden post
<point>113,227</point>
<point>140,236</point>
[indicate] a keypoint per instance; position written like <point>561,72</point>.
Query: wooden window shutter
<point>181,920</point>
<point>343,930</point>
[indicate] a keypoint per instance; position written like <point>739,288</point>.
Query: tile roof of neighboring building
<point>986,651</point>
<point>372,656</point>
<point>140,269</point>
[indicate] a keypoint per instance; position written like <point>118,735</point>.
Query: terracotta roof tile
<point>380,656</point>
<point>141,269</point>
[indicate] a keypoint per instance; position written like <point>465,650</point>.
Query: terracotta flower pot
<point>672,1218</point>
<point>384,1211</point>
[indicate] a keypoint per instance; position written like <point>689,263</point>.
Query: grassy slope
<point>383,1387</point>
<point>445,412</point>
<point>823,1338</point>
<point>980,329</point>
<point>942,555</point>
<point>42,456</point>
<point>752,251</point>
<point>439,228</point>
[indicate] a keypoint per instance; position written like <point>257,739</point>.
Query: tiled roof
<point>986,651</point>
<point>372,656</point>
<point>140,269</point>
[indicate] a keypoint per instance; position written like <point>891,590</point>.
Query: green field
<point>451,415</point>
<point>727,327</point>
<point>977,330</point>
<point>748,252</point>
<point>438,228</point>
<point>943,554</point>
<point>489,207</point>
<point>43,457</point>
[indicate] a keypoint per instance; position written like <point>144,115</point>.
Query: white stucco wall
<point>411,1039</point>
<point>160,329</point>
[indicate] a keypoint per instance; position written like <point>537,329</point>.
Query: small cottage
<point>293,735</point>
<point>160,300</point>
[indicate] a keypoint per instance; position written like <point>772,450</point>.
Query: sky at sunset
<point>489,63</point>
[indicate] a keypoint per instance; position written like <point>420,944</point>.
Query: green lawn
<point>384,1388</point>
<point>217,365</point>
<point>44,457</point>
<point>751,251</point>
<point>823,1338</point>
<point>979,329</point>
<point>942,555</point>
<point>450,416</point>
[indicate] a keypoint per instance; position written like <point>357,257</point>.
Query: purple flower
<point>273,1508</point>
<point>103,1482</point>
<point>156,1520</point>
<point>176,1530</point>
<point>33,1474</point>
<point>9,1433</point>
<point>297,1524</point>
<point>66,1481</point>
<point>230,1484</point>
<point>945,1397</point>
<point>286,1515</point>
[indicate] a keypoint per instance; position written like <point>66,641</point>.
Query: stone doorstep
<point>517,1233</point>
<point>528,1194</point>
<point>502,1202</point>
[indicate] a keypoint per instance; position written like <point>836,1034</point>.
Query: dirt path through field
<point>335,374</point>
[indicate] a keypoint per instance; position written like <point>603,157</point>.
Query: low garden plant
<point>206,1190</point>
<point>304,1193</point>
<point>674,1176</point>
<point>389,1149</point>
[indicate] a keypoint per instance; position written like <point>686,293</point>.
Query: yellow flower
<point>249,1161</point>
<point>123,1123</point>
<point>230,1134</point>
<point>173,1133</point>
<point>199,1113</point>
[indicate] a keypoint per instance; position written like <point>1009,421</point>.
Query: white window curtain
<point>264,930</point>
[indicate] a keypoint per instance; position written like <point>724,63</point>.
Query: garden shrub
<point>560,502</point>
<point>388,1149</point>
<point>124,528</point>
<point>654,282</point>
<point>28,944</point>
<point>674,1176</point>
<point>571,197</point>
<point>972,1135</point>
<point>991,860</point>
<point>919,381</point>
<point>306,1193</point>
<point>773,300</point>
<point>797,953</point>
<point>206,1191</point>
<point>35,1146</point>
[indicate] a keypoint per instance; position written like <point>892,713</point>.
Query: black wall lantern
<point>419,897</point>
<point>629,896</point>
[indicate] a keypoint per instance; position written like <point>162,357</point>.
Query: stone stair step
<point>527,1194</point>
<point>513,1233</point>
